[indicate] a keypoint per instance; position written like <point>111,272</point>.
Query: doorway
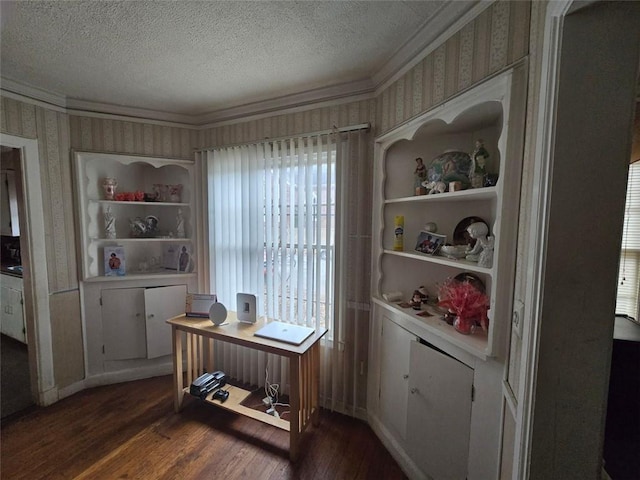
<point>14,371</point>
<point>34,272</point>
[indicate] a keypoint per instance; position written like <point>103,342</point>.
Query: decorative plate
<point>460,234</point>
<point>451,166</point>
<point>473,279</point>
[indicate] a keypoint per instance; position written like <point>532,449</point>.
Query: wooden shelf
<point>150,204</point>
<point>141,276</point>
<point>238,395</point>
<point>141,240</point>
<point>486,193</point>
<point>450,262</point>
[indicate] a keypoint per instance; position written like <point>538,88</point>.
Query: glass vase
<point>463,325</point>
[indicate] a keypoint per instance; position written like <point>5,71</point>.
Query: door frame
<point>537,298</point>
<point>35,277</point>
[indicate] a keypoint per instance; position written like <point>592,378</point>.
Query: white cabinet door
<point>439,413</point>
<point>162,303</point>
<point>123,323</point>
<point>394,374</point>
<point>12,323</point>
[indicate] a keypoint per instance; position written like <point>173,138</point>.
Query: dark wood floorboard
<point>130,431</point>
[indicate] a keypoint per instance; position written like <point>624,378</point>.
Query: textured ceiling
<point>194,57</point>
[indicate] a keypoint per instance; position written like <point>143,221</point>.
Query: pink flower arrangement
<point>467,302</point>
<point>137,196</point>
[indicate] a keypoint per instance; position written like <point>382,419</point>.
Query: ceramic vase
<point>109,186</point>
<point>175,193</point>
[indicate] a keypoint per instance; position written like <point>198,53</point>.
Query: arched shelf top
<point>132,159</point>
<point>482,104</point>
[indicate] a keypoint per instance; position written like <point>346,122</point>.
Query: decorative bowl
<point>453,251</point>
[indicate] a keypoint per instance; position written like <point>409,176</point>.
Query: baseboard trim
<point>48,397</point>
<point>396,450</point>
<point>71,389</point>
<point>120,376</point>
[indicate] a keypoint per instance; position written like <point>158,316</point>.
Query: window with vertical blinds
<point>628,297</point>
<point>289,220</point>
<point>273,214</point>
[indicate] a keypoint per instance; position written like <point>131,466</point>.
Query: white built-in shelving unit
<point>434,395</point>
<point>144,255</point>
<point>482,113</point>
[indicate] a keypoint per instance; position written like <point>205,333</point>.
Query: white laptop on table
<point>285,332</point>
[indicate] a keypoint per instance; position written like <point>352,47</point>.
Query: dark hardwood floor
<point>15,390</point>
<point>130,430</point>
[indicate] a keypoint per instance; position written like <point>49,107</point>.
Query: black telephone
<point>207,383</point>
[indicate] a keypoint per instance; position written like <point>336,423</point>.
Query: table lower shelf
<point>235,401</point>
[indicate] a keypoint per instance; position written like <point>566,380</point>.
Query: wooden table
<point>304,369</point>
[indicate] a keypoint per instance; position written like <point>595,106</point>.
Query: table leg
<point>178,385</point>
<point>294,402</point>
<point>315,384</point>
<point>210,356</point>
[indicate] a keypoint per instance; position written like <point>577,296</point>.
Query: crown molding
<point>433,33</point>
<point>333,94</point>
<point>38,96</point>
<point>85,107</point>
<point>449,19</point>
<point>317,98</point>
<point>289,110</point>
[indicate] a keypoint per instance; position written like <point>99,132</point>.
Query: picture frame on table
<point>199,304</point>
<point>429,243</point>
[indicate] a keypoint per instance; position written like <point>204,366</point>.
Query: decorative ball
<point>430,227</point>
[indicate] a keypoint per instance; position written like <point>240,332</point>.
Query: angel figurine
<point>485,259</point>
<point>478,231</point>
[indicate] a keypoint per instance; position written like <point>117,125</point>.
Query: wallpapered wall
<point>119,136</point>
<point>51,129</point>
<point>495,39</point>
<point>313,120</point>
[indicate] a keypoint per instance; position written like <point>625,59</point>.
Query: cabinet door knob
<point>414,390</point>
<point>405,376</point>
<point>137,315</point>
<point>151,315</point>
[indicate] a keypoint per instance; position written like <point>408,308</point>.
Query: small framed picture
<point>185,259</point>
<point>114,262</point>
<point>429,242</point>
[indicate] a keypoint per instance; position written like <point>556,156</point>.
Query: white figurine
<point>435,187</point>
<point>478,231</point>
<point>109,224</point>
<point>478,171</point>
<point>486,255</point>
<point>180,224</point>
